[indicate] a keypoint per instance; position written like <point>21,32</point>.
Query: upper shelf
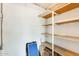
<point>46,15</point>
<point>59,9</point>
<point>67,21</point>
<point>67,8</point>
<point>57,6</point>
<point>63,7</point>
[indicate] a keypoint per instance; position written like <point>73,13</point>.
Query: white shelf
<point>67,37</point>
<point>67,21</point>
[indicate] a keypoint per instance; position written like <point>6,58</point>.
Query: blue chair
<point>32,49</point>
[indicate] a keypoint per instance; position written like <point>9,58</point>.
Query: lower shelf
<point>46,49</point>
<point>56,54</point>
<point>64,52</point>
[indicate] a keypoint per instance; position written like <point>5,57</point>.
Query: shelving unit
<point>46,47</point>
<point>63,35</point>
<point>47,25</point>
<point>58,8</point>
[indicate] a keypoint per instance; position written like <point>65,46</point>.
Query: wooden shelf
<point>47,34</point>
<point>59,9</point>
<point>57,6</point>
<point>47,44</point>
<point>67,21</point>
<point>67,8</point>
<point>64,52</point>
<point>48,25</point>
<point>63,7</point>
<point>43,47</point>
<point>68,37</point>
<point>46,16</point>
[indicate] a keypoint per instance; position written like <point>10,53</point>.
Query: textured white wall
<point>21,25</point>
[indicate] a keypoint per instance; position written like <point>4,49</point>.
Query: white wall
<point>21,25</point>
<point>71,29</point>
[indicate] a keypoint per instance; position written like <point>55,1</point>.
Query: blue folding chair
<point>32,49</point>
